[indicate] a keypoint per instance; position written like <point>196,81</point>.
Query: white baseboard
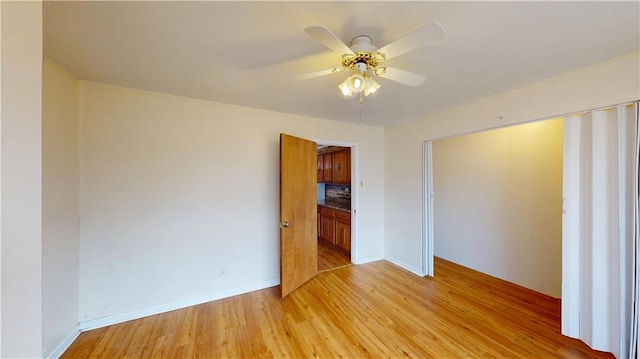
<point>120,318</point>
<point>405,266</point>
<point>64,344</point>
<point>368,260</point>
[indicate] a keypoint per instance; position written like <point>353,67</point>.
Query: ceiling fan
<point>365,61</point>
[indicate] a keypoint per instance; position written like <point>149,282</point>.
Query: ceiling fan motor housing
<point>365,55</point>
<point>362,43</point>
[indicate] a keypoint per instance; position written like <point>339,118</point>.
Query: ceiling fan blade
<point>403,77</point>
<point>320,73</point>
<point>423,36</point>
<point>328,39</point>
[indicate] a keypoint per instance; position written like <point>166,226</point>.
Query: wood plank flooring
<point>372,310</point>
<point>330,258</point>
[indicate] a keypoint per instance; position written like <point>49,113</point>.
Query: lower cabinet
<point>327,228</point>
<point>343,236</point>
<point>319,234</point>
<point>334,226</point>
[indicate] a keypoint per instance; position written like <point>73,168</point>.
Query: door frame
<point>354,192</point>
<point>428,197</point>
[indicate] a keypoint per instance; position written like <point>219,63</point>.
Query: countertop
<point>343,206</point>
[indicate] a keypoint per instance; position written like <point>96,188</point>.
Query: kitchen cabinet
<point>318,216</point>
<point>320,168</point>
<point>335,167</point>
<point>343,230</point>
<point>327,168</point>
<point>343,236</point>
<point>341,166</point>
<point>326,229</point>
<point>334,227</point>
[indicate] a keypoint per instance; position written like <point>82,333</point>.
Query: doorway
<point>335,209</point>
<point>493,203</point>
<point>599,172</point>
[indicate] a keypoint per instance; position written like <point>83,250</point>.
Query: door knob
<point>284,224</point>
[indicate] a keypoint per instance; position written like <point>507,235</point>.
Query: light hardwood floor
<point>370,310</point>
<point>330,258</point>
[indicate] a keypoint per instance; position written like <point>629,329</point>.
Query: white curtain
<point>599,220</point>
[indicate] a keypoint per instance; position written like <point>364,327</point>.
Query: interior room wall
<point>174,189</point>
<point>611,82</point>
<point>21,179</point>
<point>60,213</point>
<point>498,203</point>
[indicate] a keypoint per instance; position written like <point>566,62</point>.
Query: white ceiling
<point>248,53</point>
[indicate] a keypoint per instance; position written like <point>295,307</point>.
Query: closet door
<point>597,234</point>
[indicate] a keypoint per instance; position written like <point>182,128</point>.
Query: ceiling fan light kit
<point>365,60</point>
<point>370,86</point>
<point>358,82</point>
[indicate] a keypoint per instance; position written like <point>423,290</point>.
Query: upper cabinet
<point>335,166</point>
<point>341,166</point>
<point>327,168</point>
<point>320,168</point>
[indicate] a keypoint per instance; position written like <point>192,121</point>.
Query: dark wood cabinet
<point>327,168</point>
<point>343,230</point>
<point>335,167</point>
<point>318,216</point>
<point>343,236</point>
<point>334,226</point>
<point>320,168</point>
<point>341,166</point>
<point>327,225</point>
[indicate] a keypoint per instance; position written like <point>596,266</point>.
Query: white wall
<point>21,178</point>
<point>611,82</point>
<point>172,189</point>
<point>60,213</point>
<point>498,203</point>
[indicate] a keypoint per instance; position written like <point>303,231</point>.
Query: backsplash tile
<point>337,192</point>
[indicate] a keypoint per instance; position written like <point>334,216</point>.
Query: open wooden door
<point>298,212</point>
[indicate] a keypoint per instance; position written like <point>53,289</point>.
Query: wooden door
<point>298,212</point>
